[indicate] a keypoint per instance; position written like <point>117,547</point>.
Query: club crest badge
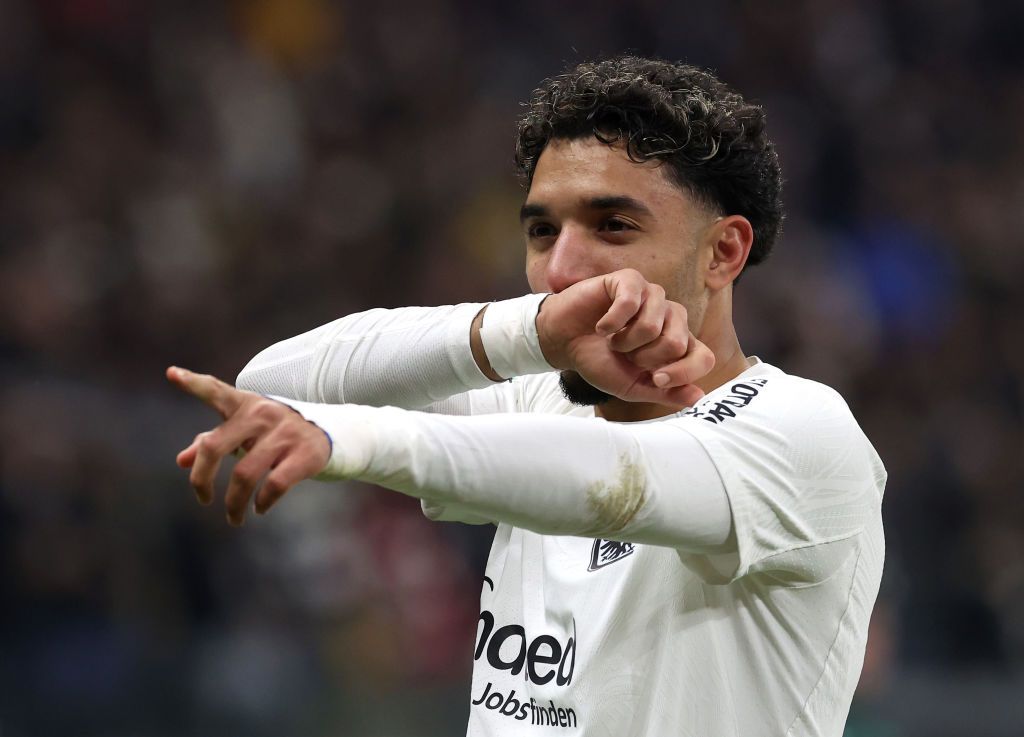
<point>606,552</point>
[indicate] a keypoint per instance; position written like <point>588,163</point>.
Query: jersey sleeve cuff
<point>509,335</point>
<point>459,350</point>
<point>350,430</point>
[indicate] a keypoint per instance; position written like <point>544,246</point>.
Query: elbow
<point>246,379</point>
<point>265,376</point>
<point>270,372</point>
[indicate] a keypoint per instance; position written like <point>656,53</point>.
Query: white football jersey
<point>639,636</point>
<point>600,637</point>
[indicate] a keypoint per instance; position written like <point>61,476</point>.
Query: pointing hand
<point>280,445</point>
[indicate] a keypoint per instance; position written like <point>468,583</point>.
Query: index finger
<point>211,390</point>
<point>627,298</point>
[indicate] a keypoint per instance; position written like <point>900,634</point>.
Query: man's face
<point>591,211</point>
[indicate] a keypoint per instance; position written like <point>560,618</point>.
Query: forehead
<point>586,168</point>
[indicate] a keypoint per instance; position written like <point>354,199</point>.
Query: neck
<point>730,362</point>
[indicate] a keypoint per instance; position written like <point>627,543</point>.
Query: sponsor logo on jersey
<point>606,552</point>
<point>740,395</point>
<point>508,705</point>
<point>541,659</point>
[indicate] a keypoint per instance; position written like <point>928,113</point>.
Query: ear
<point>730,239</point>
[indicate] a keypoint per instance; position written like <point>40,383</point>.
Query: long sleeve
<point>413,357</point>
<point>648,483</point>
<point>766,474</point>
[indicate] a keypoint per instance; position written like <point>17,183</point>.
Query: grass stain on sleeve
<point>615,503</point>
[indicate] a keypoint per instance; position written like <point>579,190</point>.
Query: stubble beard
<point>578,391</point>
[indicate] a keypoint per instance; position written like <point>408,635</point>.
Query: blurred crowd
<point>187,182</point>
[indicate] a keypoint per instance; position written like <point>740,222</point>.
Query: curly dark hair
<point>711,138</point>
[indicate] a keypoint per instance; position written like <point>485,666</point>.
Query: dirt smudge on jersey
<point>616,503</point>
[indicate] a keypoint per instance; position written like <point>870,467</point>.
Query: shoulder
<point>769,397</point>
<point>768,418</point>
<point>802,478</point>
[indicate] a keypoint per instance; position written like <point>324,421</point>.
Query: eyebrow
<point>606,202</point>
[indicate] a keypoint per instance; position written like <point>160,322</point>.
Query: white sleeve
<point>413,357</point>
<point>553,474</point>
<point>768,474</point>
<point>804,484</point>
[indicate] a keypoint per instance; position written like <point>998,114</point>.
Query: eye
<point>541,230</point>
<point>617,225</point>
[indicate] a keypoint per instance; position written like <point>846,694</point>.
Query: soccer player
<point>689,540</point>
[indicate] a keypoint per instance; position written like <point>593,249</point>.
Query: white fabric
<point>763,635</point>
<point>414,357</point>
<point>583,476</point>
<point>509,335</point>
<point>767,639</point>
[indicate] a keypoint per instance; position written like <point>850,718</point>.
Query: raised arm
<point>617,330</point>
<point>413,357</point>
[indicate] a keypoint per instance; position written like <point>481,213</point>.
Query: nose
<point>568,260</point>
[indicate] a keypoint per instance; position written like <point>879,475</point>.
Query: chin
<point>576,389</point>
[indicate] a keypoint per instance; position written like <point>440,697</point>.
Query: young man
<point>689,540</point>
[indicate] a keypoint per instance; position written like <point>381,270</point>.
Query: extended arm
<point>771,471</point>
<point>648,483</point>
<point>552,474</point>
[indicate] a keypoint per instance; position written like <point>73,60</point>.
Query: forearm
<point>550,474</point>
<point>410,357</point>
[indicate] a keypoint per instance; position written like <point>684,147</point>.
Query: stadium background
<point>186,182</point>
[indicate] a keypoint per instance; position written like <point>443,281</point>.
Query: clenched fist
<point>280,445</point>
<point>620,333</point>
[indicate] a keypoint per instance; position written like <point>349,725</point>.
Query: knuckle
<point>274,488</point>
<point>291,432</point>
<point>207,442</point>
<point>244,475</point>
<point>265,409</point>
<point>671,350</point>
<point>648,330</point>
<point>675,346</point>
<point>631,300</point>
<point>264,414</point>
